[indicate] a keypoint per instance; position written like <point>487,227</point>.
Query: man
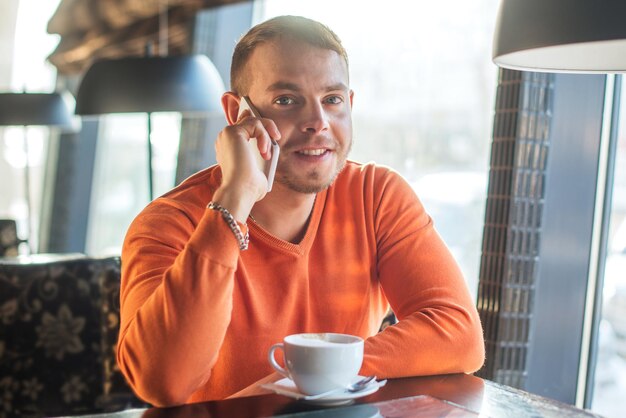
<point>331,247</point>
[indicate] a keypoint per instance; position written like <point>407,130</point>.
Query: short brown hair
<point>289,27</point>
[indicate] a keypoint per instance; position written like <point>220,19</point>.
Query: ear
<point>351,98</point>
<point>230,104</point>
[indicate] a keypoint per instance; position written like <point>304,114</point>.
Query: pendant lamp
<point>186,84</point>
<point>582,36</point>
<point>35,109</point>
<point>42,109</point>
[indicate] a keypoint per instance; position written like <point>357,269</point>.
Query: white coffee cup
<point>319,362</point>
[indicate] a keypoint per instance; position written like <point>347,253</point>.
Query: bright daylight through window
<point>610,376</point>
<point>23,68</point>
<point>120,185</point>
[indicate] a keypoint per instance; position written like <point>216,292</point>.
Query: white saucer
<point>286,387</point>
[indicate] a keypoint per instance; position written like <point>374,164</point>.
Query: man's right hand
<point>243,184</point>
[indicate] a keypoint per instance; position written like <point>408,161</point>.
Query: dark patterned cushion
<point>56,344</point>
<point>389,320</point>
<point>117,394</point>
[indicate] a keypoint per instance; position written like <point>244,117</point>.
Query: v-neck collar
<point>257,232</point>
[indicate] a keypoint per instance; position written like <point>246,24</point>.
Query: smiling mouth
<point>313,152</point>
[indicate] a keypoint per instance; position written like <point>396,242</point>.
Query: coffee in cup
<point>319,362</point>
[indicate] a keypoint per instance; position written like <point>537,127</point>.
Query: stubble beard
<point>311,185</point>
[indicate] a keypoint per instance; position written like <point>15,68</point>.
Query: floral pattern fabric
<point>57,338</point>
<point>61,334</point>
<point>117,393</point>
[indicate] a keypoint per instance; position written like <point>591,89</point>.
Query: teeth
<point>313,151</point>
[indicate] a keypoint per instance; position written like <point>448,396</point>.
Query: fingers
<point>240,168</point>
<point>242,173</point>
<point>264,130</point>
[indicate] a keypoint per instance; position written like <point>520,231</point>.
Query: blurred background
<point>424,87</point>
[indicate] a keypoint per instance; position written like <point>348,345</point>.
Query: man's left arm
<point>439,329</point>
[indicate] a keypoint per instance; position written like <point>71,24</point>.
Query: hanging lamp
<point>42,109</point>
<point>583,36</point>
<point>185,84</point>
<point>188,84</point>
<point>35,109</point>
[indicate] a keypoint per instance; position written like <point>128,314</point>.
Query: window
<point>24,68</point>
<point>610,376</point>
<point>120,185</point>
<point>424,94</point>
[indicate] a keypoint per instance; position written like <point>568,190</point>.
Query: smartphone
<point>268,167</point>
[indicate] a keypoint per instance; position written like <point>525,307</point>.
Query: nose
<point>314,118</point>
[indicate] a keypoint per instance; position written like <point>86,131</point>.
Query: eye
<point>284,101</point>
<point>334,100</point>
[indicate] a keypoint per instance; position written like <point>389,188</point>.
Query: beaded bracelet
<point>232,224</point>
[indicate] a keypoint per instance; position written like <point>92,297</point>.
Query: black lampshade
<point>45,109</point>
<point>183,84</point>
<point>561,35</point>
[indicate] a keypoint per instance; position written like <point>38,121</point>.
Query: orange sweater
<point>198,315</point>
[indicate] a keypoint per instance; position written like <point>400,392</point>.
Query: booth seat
<point>59,321</point>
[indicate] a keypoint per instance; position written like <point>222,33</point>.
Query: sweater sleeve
<point>439,329</point>
<point>176,301</point>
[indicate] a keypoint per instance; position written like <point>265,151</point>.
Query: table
<point>452,396</point>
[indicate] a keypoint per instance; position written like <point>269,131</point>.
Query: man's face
<point>304,90</point>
